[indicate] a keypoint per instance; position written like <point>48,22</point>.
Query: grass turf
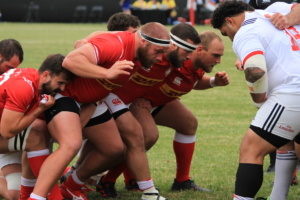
<point>224,115</point>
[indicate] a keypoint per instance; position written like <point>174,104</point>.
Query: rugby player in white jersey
<point>270,58</point>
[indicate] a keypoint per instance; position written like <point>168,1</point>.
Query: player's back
<point>280,48</point>
<point>18,89</point>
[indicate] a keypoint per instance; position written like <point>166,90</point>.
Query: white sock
<point>28,182</point>
<point>286,162</point>
<point>76,179</point>
<point>36,197</point>
<point>144,185</point>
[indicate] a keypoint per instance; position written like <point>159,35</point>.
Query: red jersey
<point>109,48</point>
<point>19,90</point>
<point>179,82</point>
<point>143,80</point>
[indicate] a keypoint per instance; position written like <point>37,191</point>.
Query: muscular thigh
<point>177,116</point>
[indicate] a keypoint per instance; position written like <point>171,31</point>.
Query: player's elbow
<point>6,135</point>
<point>67,63</point>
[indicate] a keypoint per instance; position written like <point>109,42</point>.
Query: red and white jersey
<point>179,82</point>
<point>108,48</point>
<point>142,80</point>
<point>280,48</point>
<point>19,90</point>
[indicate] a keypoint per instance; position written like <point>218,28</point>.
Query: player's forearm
<point>294,16</point>
<point>93,34</point>
<point>11,129</point>
<point>204,83</point>
<point>81,66</point>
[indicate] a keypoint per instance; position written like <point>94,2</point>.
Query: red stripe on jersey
<point>252,54</point>
<point>293,6</point>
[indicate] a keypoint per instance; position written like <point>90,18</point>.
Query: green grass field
<point>224,115</point>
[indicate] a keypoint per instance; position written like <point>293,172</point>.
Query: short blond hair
<point>207,37</point>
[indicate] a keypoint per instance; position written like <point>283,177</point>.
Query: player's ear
<point>46,76</point>
<point>229,21</point>
<point>199,49</point>
<point>143,42</point>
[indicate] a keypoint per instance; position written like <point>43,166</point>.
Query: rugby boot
<point>187,185</point>
<point>294,181</point>
<point>271,168</point>
<point>87,188</point>
<point>152,194</point>
<point>133,186</point>
<point>262,198</point>
<point>107,189</point>
<point>70,194</point>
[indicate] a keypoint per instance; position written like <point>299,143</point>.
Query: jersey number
<point>6,75</point>
<point>294,34</point>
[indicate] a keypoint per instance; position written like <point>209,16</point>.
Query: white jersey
<point>280,48</point>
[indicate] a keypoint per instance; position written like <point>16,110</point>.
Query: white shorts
<point>280,115</point>
<point>115,104</point>
<point>10,158</point>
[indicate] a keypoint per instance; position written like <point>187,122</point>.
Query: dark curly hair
<point>122,21</point>
<point>53,64</point>
<point>228,8</point>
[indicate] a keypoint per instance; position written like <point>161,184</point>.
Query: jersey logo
<point>147,70</point>
<point>107,84</point>
<point>30,83</point>
<point>168,91</point>
<point>177,81</point>
<point>116,102</point>
<point>168,71</point>
<point>249,21</point>
<point>142,80</point>
<point>288,128</point>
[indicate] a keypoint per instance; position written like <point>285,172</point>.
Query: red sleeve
<point>200,73</point>
<point>108,48</point>
<point>19,96</point>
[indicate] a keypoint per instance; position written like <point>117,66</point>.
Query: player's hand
<point>279,20</point>
<point>80,43</point>
<point>239,65</point>
<point>222,79</point>
<point>143,103</point>
<point>120,67</point>
<point>46,103</point>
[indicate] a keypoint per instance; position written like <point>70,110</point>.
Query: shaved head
<point>156,30</point>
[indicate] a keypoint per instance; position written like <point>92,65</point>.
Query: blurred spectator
<point>170,4</point>
<point>141,4</point>
<point>153,4</point>
<point>125,6</point>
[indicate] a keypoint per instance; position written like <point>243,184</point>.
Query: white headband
<point>156,41</point>
<point>182,44</point>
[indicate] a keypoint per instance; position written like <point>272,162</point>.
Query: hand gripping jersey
<point>280,48</point>
<point>142,80</point>
<point>179,82</point>
<point>19,90</point>
<point>108,48</point>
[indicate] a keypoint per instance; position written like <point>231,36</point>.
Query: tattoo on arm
<point>252,74</point>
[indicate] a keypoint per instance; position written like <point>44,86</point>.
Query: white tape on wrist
<point>258,105</point>
<point>212,82</point>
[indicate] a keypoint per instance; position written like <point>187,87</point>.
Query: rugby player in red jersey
<point>105,56</point>
<point>170,112</point>
<point>117,22</point>
<point>21,90</point>
<point>184,40</point>
<point>184,123</point>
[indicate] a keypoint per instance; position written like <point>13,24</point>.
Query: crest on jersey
<point>177,81</point>
<point>168,71</point>
<point>147,70</point>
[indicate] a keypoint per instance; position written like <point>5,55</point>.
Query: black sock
<point>272,157</point>
<point>249,178</point>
